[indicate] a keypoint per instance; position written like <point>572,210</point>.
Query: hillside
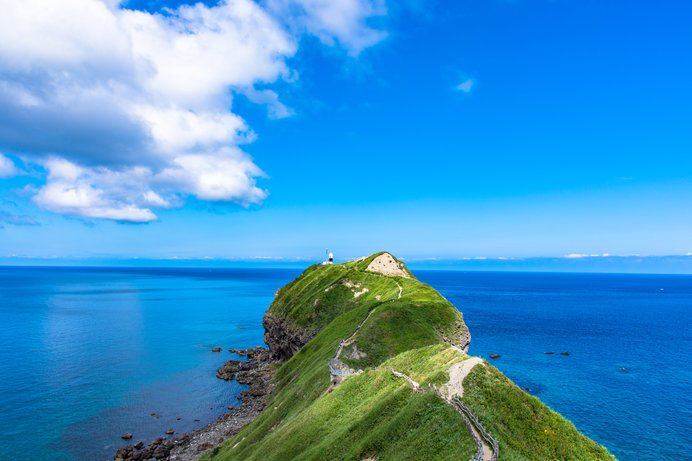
<point>376,368</point>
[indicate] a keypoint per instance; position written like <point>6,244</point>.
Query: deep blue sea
<point>87,354</point>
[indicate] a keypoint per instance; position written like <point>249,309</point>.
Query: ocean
<point>87,354</point>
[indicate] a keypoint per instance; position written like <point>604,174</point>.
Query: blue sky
<point>448,130</point>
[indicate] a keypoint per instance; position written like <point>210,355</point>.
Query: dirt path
<point>455,389</point>
<point>457,373</point>
<point>414,385</point>
<point>486,450</point>
<point>339,369</point>
<point>450,392</point>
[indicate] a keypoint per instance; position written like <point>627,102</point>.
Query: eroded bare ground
<point>385,264</point>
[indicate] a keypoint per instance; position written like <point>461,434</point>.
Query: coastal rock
<point>139,445</point>
<point>161,452</point>
<point>549,353</point>
<point>123,453</point>
<point>494,356</point>
<point>170,431</point>
<point>216,349</point>
<point>127,436</point>
<point>204,446</point>
<point>565,353</point>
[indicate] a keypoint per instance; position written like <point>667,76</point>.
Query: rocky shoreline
<point>256,371</point>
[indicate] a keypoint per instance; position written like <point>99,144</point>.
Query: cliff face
<point>283,339</point>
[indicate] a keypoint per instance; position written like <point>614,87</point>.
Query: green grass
<point>372,414</point>
<point>524,426</point>
<point>320,294</point>
<point>421,317</point>
<point>427,365</point>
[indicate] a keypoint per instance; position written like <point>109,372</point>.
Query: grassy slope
<point>319,295</point>
<point>524,426</point>
<point>376,414</point>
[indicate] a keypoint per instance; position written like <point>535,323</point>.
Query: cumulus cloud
<point>334,21</point>
<point>7,168</point>
<point>129,111</point>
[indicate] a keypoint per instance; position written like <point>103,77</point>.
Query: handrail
<point>492,441</point>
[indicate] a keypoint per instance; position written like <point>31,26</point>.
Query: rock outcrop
<point>283,339</point>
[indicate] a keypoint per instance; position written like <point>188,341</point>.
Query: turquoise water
<point>88,354</point>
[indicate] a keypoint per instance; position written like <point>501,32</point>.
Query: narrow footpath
<point>487,448</point>
<point>484,451</point>
<point>339,369</point>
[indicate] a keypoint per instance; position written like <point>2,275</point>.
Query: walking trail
<point>450,393</point>
<point>339,369</point>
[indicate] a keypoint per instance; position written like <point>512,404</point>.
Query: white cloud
<point>465,86</point>
<point>334,21</point>
<point>226,173</point>
<point>98,192</point>
<point>7,168</point>
<point>129,111</point>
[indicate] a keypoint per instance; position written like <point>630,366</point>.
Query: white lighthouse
<point>330,258</point>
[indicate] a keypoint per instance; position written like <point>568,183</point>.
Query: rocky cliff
<point>283,338</point>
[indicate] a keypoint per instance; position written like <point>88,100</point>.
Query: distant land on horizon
<point>667,264</point>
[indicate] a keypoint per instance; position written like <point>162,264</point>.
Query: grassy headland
<point>373,414</point>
